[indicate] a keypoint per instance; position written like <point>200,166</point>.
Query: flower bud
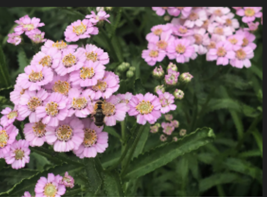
<point>99,9</point>
<point>172,77</point>
<point>132,68</point>
<point>123,67</point>
<point>175,123</point>
<point>129,74</point>
<point>175,138</point>
<point>158,72</point>
<point>117,73</point>
<point>186,77</point>
<point>167,18</point>
<point>172,66</point>
<point>108,8</point>
<point>67,180</point>
<point>168,117</point>
<point>178,94</point>
<point>163,138</point>
<point>182,132</point>
<point>160,87</point>
<point>154,128</point>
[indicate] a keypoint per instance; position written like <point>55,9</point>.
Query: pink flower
<point>35,76</point>
<point>145,108</point>
<point>161,10</point>
<point>9,116</point>
<point>17,93</point>
<point>249,13</point>
<point>242,57</point>
<point>248,39</point>
<point>125,98</point>
<point>162,44</point>
<point>53,110</point>
<point>88,74</point>
<point>172,77</point>
<point>27,194</point>
<point>36,36</point>
<point>166,100</point>
<point>182,31</point>
<point>237,8</point>
<point>95,54</point>
<point>67,136</point>
<point>252,26</point>
<point>50,186</point>
<point>175,123</point>
<point>217,13</point>
<point>156,32</point>
<point>200,40</point>
<point>236,41</point>
<point>168,117</point>
<point>168,128</point>
<point>67,180</point>
<point>29,102</point>
<point>154,128</point>
<point>19,154</point>
<point>174,11</point>
<point>219,32</point>
<point>196,18</point>
<point>107,86</point>
<point>229,21</point>
<point>14,38</point>
<point>80,30</point>
<point>78,101</point>
<point>35,133</point>
<point>153,55</point>
<point>50,58</point>
<point>222,53</point>
<point>49,44</point>
<point>180,49</point>
<point>60,84</point>
<point>26,24</point>
<point>101,16</point>
<point>95,140</point>
<point>71,60</point>
<point>163,138</point>
<point>7,135</point>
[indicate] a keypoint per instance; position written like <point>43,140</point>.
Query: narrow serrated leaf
<point>112,184</point>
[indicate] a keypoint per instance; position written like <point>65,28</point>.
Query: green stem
<point>123,135</point>
<point>195,112</point>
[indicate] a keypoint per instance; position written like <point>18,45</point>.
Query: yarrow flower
<point>36,36</point>
<point>186,77</point>
<point>182,132</point>
<point>178,94</point>
<point>249,13</point>
<point>172,77</point>
<point>9,116</point>
<point>59,46</point>
<point>154,128</point>
<point>175,123</point>
<point>14,38</point>
<point>100,16</point>
<point>166,100</point>
<point>168,128</point>
<point>49,58</point>
<point>153,55</point>
<point>158,72</point>
<point>95,54</point>
<point>67,180</point>
<point>7,137</point>
<point>163,138</point>
<point>27,24</point>
<point>168,117</point>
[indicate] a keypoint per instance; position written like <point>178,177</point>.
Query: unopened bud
<point>175,138</point>
<point>132,68</point>
<point>163,138</point>
<point>182,132</point>
<point>108,8</point>
<point>154,128</point>
<point>175,123</point>
<point>123,67</point>
<point>172,77</point>
<point>186,77</point>
<point>129,74</point>
<point>168,117</point>
<point>160,87</point>
<point>158,72</point>
<point>178,94</point>
<point>172,66</point>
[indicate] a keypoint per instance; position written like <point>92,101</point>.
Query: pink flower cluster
<point>203,30</point>
<point>53,185</point>
<point>29,26</point>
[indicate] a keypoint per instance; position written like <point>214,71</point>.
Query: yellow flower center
<point>39,129</point>
<point>240,54</point>
<point>36,76</point>
<point>46,61</point>
<point>69,60</point>
<point>90,137</point>
<point>193,16</point>
<point>182,30</point>
<point>79,29</point>
<point>79,103</point>
<point>144,107</point>
<point>233,40</point>
<point>219,30</point>
<point>180,48</point>
<point>157,32</point>
<point>153,53</point>
<point>87,73</point>
<point>12,115</point>
<point>51,108</point>
<point>228,22</point>
<point>60,45</point>
<point>91,56</point>
<point>50,190</point>
<point>108,109</point>
<point>22,91</point>
<point>3,138</point>
<point>100,86</point>
<point>162,44</point>
<point>19,154</point>
<point>249,12</point>
<point>245,42</point>
<point>33,103</point>
<point>221,52</point>
<point>64,132</point>
<point>205,24</point>
<point>61,87</point>
<point>212,45</point>
<point>217,12</point>
<point>198,38</point>
<point>28,26</point>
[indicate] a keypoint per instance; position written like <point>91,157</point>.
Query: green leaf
<point>93,176</point>
<point>207,158</point>
<point>138,87</point>
<point>23,62</point>
<point>238,123</point>
<point>112,184</point>
<point>110,159</point>
<point>256,71</point>
<point>162,155</point>
<point>142,141</point>
<point>4,74</point>
<point>250,153</point>
<point>224,103</point>
<point>258,137</point>
<point>41,161</point>
<point>112,131</point>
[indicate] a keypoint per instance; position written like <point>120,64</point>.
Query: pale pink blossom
<point>27,24</point>
<point>196,18</point>
<point>167,102</point>
<point>249,13</point>
<point>156,32</point>
<point>8,136</point>
<point>14,38</point>
<point>100,16</point>
<point>59,46</point>
<point>9,116</point>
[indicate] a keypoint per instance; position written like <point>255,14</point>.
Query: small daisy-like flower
<point>168,117</point>
<point>172,77</point>
<point>9,116</point>
<point>166,100</point>
<point>236,41</point>
<point>29,102</point>
<point>36,36</point>
<point>175,123</point>
<point>7,137</point>
<point>168,128</point>
<point>88,74</point>
<point>95,140</point>
<point>178,94</point>
<point>248,39</point>
<point>172,66</point>
<point>153,55</point>
<point>27,24</point>
<point>100,16</point>
<point>60,84</point>
<point>53,110</point>
<point>161,10</point>
<point>35,76</point>
<point>78,102</point>
<point>182,31</point>
<point>80,30</point>
<point>229,21</point>
<point>180,49</point>
<point>163,138</point>
<point>50,186</point>
<point>14,38</point>
<point>107,86</point>
<point>182,132</point>
<point>242,57</point>
<point>19,154</point>
<point>252,26</point>
<point>67,180</point>
<point>27,194</point>
<point>156,32</point>
<point>145,108</point>
<point>125,98</point>
<point>95,54</point>
<point>158,72</point>
<point>35,133</point>
<point>222,53</point>
<point>163,43</point>
<point>154,128</point>
<point>217,13</point>
<point>200,40</point>
<point>249,13</point>
<point>196,18</point>
<point>71,61</point>
<point>17,93</point>
<point>50,58</point>
<point>67,136</point>
<point>219,31</point>
<point>59,46</point>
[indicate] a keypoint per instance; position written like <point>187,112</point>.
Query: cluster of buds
<point>125,66</point>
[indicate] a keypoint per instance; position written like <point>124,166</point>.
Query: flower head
<point>196,18</point>
<point>95,54</point>
<point>249,13</point>
<point>27,24</point>
<point>157,31</point>
<point>159,87</point>
<point>50,58</point>
<point>186,77</point>
<point>58,45</point>
<point>67,180</point>
<point>168,128</point>
<point>100,16</point>
<point>166,100</point>
<point>155,128</point>
<point>163,138</point>
<point>175,123</point>
<point>36,36</point>
<point>153,55</point>
<point>252,26</point>
<point>7,137</point>
<point>17,93</point>
<point>14,38</point>
<point>242,57</point>
<point>172,77</point>
<point>9,116</point>
<point>178,94</point>
<point>158,72</point>
<point>168,117</point>
<point>182,132</point>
